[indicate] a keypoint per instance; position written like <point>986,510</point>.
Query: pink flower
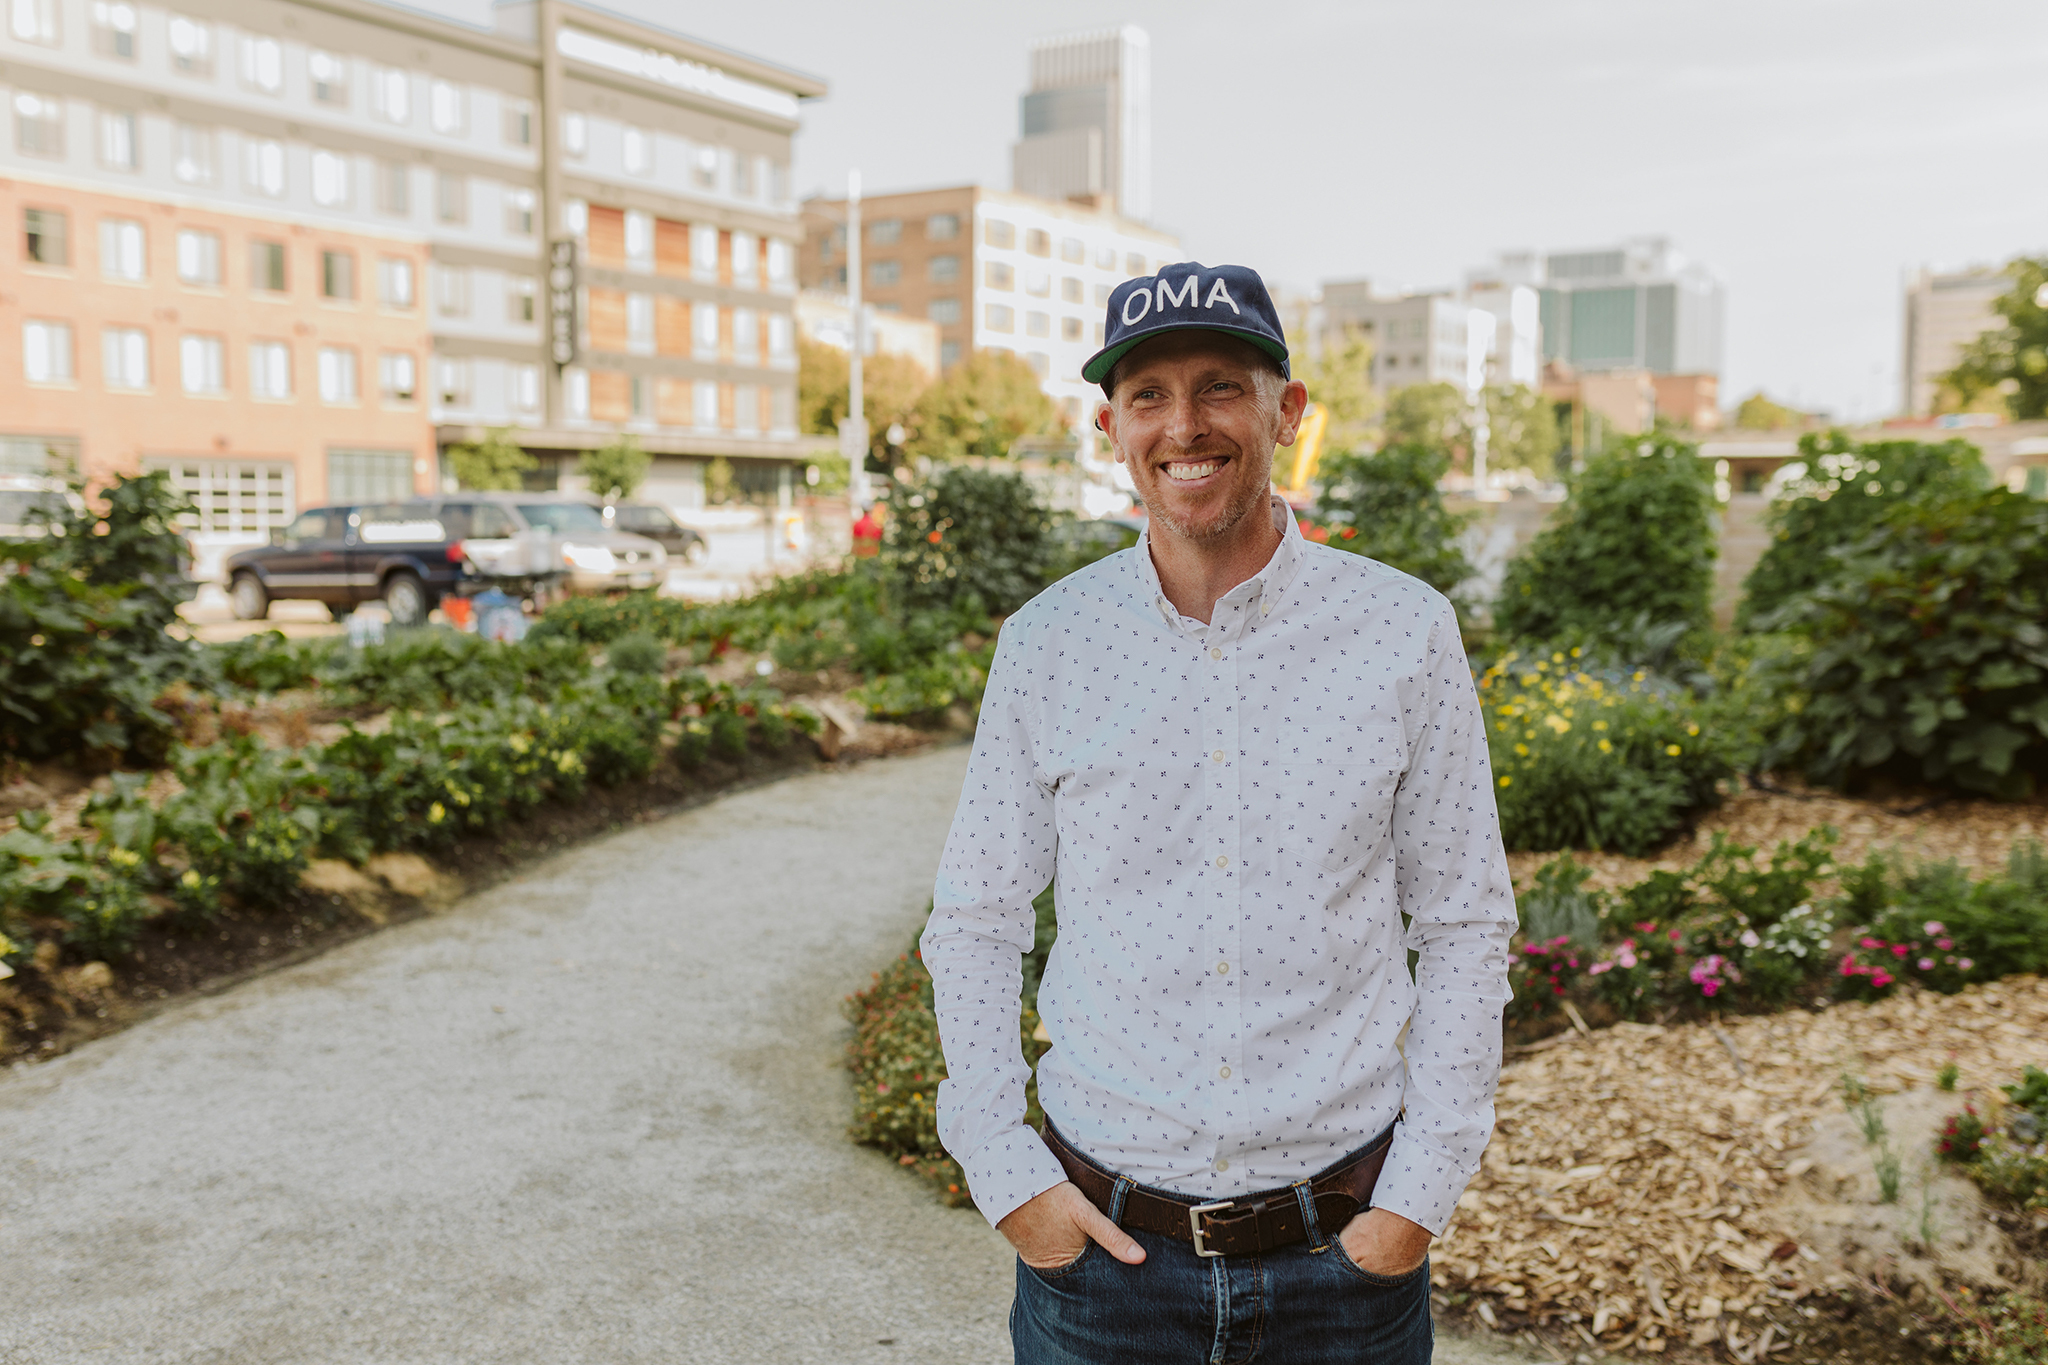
<point>1966,964</point>
<point>1627,956</point>
<point>1868,943</point>
<point>1944,943</point>
<point>1851,967</point>
<point>1599,967</point>
<point>1881,979</point>
<point>1749,938</point>
<point>1899,950</point>
<point>1934,926</point>
<point>1926,964</point>
<point>1675,936</point>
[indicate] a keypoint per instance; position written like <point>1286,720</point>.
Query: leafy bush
<point>1847,488</point>
<point>1387,507</point>
<point>967,533</point>
<point>1934,926</point>
<point>1926,656</point>
<point>600,620</point>
<point>1635,542</point>
<point>637,653</point>
<point>1593,758</point>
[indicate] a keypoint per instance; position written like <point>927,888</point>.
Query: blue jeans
<point>1304,1304</point>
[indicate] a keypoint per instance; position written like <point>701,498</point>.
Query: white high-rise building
<point>1085,126</point>
<point>1946,310</point>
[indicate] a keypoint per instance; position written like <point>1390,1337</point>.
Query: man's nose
<point>1187,423</point>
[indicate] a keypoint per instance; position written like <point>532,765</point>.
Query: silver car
<point>575,540</point>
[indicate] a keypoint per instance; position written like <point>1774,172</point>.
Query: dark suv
<point>653,521</point>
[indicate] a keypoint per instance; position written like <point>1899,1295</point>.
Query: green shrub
<point>1633,544</point>
<point>637,653</point>
<point>600,620</point>
<point>965,533</point>
<point>1558,908</point>
<point>1847,488</point>
<point>266,662</point>
<point>1926,654</point>
<point>1592,758</point>
<point>1387,507</point>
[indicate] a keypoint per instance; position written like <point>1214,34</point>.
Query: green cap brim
<point>1103,361</point>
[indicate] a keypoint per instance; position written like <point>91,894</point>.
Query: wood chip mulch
<point>1632,1194</point>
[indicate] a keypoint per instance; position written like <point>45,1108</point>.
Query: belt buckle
<point>1195,1224</point>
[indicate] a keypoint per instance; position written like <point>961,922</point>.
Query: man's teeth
<point>1193,471</point>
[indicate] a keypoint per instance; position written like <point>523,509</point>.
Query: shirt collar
<point>1245,605</point>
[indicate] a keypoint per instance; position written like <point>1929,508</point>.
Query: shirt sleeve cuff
<point>1418,1183</point>
<point>1009,1170</point>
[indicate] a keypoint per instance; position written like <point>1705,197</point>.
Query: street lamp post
<point>853,428</point>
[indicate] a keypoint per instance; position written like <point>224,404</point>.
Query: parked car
<point>29,505</point>
<point>654,521</point>
<point>412,554</point>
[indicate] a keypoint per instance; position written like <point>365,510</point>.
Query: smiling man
<point>1255,772</point>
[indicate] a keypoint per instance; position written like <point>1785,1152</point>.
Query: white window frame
<point>120,136</point>
<point>36,21</point>
<point>339,381</point>
<point>636,151</point>
<point>448,108</point>
<point>453,296</point>
<point>46,354</point>
<point>704,328</point>
<point>124,359</point>
<point>397,283</point>
<point>199,258</point>
<point>195,154</point>
<point>640,324</point>
<point>526,388</point>
<point>270,371</point>
<point>191,44</point>
<point>746,258</point>
<point>576,392</point>
<point>331,179</point>
<point>263,166</point>
<point>327,77</point>
<point>260,61</point>
<point>398,378</point>
<point>454,382</point>
<point>38,124</point>
<point>519,212</point>
<point>124,250</point>
<point>575,136</point>
<point>704,251</point>
<point>638,235</point>
<point>202,365</point>
<point>704,405</point>
<point>114,29</point>
<point>391,94</point>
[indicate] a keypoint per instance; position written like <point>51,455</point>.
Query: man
<point>1255,769</point>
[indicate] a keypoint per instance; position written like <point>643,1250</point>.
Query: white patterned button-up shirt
<point>1238,818</point>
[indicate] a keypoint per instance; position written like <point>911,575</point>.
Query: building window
<point>262,64</point>
<point>1070,289</point>
<point>337,374</point>
<point>199,258</point>
<point>1105,258</point>
<point>113,29</point>
<point>46,352</point>
<point>998,275</point>
<point>575,217</point>
<point>1038,242</point>
<point>526,388</point>
<point>369,475</point>
<point>1102,293</point>
<point>521,294</point>
<point>883,274</point>
<point>885,231</point>
<point>1000,318</point>
<point>1037,325</point>
<point>704,328</point>
<point>124,354</point>
<point>639,235</point>
<point>395,282</point>
<point>266,266</point>
<point>1038,284</point>
<point>191,46</point>
<point>638,151</point>
<point>118,150</point>
<point>202,365</point>
<point>519,212</point>
<point>999,233</point>
<point>452,382</point>
<point>394,188</point>
<point>781,261</point>
<point>451,291</point>
<point>575,136</point>
<point>1134,264</point>
<point>398,376</point>
<point>746,258</point>
<point>640,323</point>
<point>1070,329</point>
<point>949,354</point>
<point>778,183</point>
<point>704,404</point>
<point>745,179</point>
<point>576,393</point>
<point>1073,249</point>
<point>124,251</point>
<point>746,336</point>
<point>945,312</point>
<point>942,227</point>
<point>704,252</point>
<point>943,269</point>
<point>235,497</point>
<point>46,236</point>
<point>263,167</point>
<point>192,154</point>
<point>329,74</point>
<point>451,198</point>
<point>447,108</point>
<point>1039,362</point>
<point>781,336</point>
<point>38,125</point>
<point>704,170</point>
<point>337,275</point>
<point>35,21</point>
<point>270,371</point>
<point>640,397</point>
<point>519,123</point>
<point>330,179</point>
<point>391,95</point>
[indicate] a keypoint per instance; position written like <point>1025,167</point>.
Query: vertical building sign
<point>562,328</point>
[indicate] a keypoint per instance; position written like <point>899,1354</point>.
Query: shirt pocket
<point>1336,783</point>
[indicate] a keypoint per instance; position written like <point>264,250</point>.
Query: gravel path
<point>593,1114</point>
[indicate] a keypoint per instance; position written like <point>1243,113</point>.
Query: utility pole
<point>853,428</point>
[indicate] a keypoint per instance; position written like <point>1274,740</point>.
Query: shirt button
<point>1215,653</point>
<point>1218,755</point>
<point>1265,609</point>
<point>1224,1072</point>
<point>1222,1164</point>
<point>1223,969</point>
<point>1222,862</point>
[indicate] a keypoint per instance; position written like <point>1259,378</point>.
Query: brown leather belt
<point>1233,1227</point>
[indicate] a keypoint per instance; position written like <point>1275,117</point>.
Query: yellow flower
<point>1605,747</point>
<point>1557,723</point>
<point>436,813</point>
<point>1507,781</point>
<point>1559,658</point>
<point>1673,750</point>
<point>1576,651</point>
<point>1522,749</point>
<point>1600,725</point>
<point>190,880</point>
<point>1692,729</point>
<point>1639,675</point>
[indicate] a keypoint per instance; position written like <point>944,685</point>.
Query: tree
<point>1758,413</point>
<point>1428,415</point>
<point>981,407</point>
<point>718,482</point>
<point>967,532</point>
<point>1387,507</point>
<point>1340,382</point>
<point>497,463</point>
<point>1522,430</point>
<point>1631,549</point>
<point>618,467</point>
<point>2011,359</point>
<point>890,385</point>
<point>1846,490</point>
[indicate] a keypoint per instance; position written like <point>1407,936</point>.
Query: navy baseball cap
<point>1231,299</point>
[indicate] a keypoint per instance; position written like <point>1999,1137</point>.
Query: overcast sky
<point>1809,152</point>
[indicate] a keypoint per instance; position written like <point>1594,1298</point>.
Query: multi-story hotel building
<point>292,249</point>
<point>995,271</point>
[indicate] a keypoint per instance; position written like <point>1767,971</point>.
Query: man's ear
<point>1293,403</point>
<point>1105,422</point>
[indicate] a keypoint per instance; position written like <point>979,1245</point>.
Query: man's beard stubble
<point>1235,511</point>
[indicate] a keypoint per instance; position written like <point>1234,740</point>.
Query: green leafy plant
<point>1386,506</point>
<point>1635,541</point>
<point>2011,359</point>
<point>496,462</point>
<point>637,653</point>
<point>964,533</point>
<point>1870,1121</point>
<point>615,469</point>
<point>1945,1079</point>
